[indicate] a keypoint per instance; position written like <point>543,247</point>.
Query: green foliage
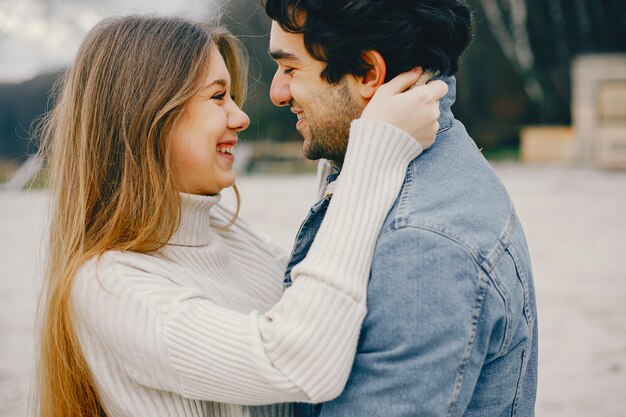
<point>20,106</point>
<point>504,153</point>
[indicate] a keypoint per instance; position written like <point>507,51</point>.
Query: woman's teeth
<point>226,149</point>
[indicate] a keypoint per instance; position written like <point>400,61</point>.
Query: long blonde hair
<point>107,148</point>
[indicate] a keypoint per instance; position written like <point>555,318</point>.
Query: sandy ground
<point>575,221</point>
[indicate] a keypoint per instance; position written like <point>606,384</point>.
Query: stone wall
<point>599,110</point>
<point>597,137</point>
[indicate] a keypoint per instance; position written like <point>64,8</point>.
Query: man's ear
<point>375,76</point>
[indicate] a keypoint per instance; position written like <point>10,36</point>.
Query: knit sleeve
<point>301,349</point>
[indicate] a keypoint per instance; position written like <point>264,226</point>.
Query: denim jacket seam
<point>404,198</point>
<point>530,322</point>
<point>503,242</point>
<point>287,282</point>
<point>489,265</point>
<point>407,188</point>
<point>524,283</point>
<point>487,261</point>
<point>404,222</point>
<point>504,296</point>
<point>520,381</point>
<point>484,263</point>
<point>477,307</point>
<point>445,128</point>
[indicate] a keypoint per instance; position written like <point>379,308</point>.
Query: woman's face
<point>203,141</point>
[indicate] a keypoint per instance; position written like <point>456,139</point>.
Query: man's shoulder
<point>452,191</point>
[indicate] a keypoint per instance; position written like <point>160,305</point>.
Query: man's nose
<point>279,90</point>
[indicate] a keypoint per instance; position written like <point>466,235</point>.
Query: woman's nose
<point>238,119</point>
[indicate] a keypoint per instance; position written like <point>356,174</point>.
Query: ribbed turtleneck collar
<point>195,227</point>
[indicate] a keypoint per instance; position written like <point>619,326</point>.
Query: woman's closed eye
<point>219,96</point>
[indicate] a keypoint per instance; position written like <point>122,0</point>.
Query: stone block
<point>599,109</point>
<point>611,147</point>
<point>548,145</point>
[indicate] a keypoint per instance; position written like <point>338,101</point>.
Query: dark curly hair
<point>407,33</point>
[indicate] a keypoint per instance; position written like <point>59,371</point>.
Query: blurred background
<point>517,74</point>
<point>542,90</point>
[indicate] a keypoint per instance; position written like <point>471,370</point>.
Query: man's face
<point>324,110</point>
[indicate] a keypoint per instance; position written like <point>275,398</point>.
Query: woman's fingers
<point>414,110</point>
<point>434,90</point>
<point>401,82</point>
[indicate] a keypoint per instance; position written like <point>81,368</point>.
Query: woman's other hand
<point>414,110</point>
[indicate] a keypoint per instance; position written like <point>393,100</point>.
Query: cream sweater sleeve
<point>301,349</point>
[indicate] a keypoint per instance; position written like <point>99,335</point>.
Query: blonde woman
<point>159,301</point>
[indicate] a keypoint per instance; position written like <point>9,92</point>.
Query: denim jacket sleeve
<point>419,337</point>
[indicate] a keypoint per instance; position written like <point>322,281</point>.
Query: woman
<point>159,301</point>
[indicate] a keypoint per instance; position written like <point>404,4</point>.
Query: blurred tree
<point>250,24</point>
<point>490,100</point>
<point>541,37</point>
<point>20,105</point>
<point>496,93</point>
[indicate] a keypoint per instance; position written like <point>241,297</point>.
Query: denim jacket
<point>451,324</point>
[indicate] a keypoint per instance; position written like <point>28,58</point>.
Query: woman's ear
<point>374,77</point>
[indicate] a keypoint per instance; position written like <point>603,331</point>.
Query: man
<point>451,324</point>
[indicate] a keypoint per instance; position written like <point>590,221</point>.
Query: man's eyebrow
<point>280,54</point>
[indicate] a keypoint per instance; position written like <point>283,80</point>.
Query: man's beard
<point>329,127</point>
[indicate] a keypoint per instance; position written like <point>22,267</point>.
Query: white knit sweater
<point>199,327</point>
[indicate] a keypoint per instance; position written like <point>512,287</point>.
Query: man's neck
<point>336,165</point>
